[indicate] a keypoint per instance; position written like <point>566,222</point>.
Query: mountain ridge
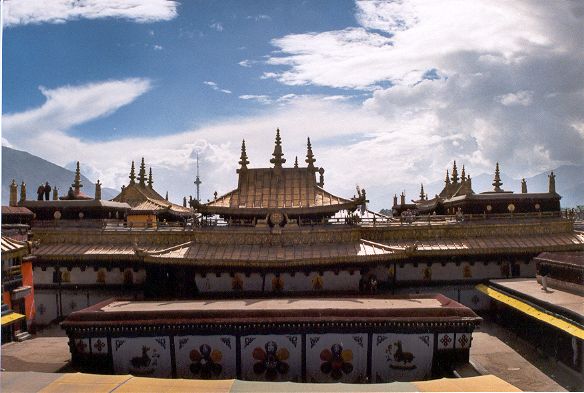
<point>23,166</point>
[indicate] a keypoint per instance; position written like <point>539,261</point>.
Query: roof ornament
<point>454,173</point>
<point>296,162</point>
<point>13,193</point>
<point>142,174</point>
<point>166,197</point>
<point>310,160</point>
<point>98,190</point>
<point>422,194</point>
<point>552,183</point>
<point>198,180</point>
<point>22,191</point>
<point>132,174</point>
<point>523,186</point>
<point>243,161</point>
<point>77,182</point>
<point>150,181</point>
<point>463,175</point>
<point>497,180</point>
<point>278,159</point>
<point>447,181</point>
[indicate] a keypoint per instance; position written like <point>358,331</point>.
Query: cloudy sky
<point>390,92</point>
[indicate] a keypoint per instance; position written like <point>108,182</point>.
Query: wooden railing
<point>376,221</point>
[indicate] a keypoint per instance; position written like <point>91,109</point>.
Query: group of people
<point>407,216</point>
<point>44,191</point>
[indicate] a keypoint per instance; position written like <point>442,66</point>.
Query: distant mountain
<point>33,170</point>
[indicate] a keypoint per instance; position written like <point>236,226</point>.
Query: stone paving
<point>501,353</point>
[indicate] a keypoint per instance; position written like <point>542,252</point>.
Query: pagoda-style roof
<point>143,199</point>
<point>292,191</point>
<point>156,206</point>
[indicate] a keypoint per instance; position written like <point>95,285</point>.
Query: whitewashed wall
<point>46,305</point>
<point>271,358</point>
<point>88,276</point>
<point>402,357</point>
<point>142,356</point>
<point>205,357</point>
<point>285,282</point>
<point>336,357</point>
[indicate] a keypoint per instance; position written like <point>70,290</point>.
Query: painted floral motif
<point>336,361</point>
<point>272,361</point>
<point>206,362</point>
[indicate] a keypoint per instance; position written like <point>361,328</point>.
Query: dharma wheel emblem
<point>276,218</point>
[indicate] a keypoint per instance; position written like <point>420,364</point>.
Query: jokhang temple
<point>280,279</point>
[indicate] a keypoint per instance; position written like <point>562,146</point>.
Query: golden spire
<point>142,173</point>
<point>278,159</point>
<point>150,181</point>
<point>77,182</point>
<point>497,180</point>
<point>454,173</point>
<point>309,156</point>
<point>132,174</point>
<point>243,161</point>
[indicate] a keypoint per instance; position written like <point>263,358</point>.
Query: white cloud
<point>23,12</point>
<point>215,87</point>
<point>501,81</point>
<point>413,37</point>
<point>158,47</point>
<point>260,17</point>
<point>218,26</point>
<point>68,106</point>
<point>246,63</point>
<point>523,98</point>
<point>262,99</point>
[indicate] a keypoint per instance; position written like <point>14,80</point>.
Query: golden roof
<point>286,188</point>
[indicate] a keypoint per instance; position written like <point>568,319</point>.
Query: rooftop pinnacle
<point>77,182</point>
<point>142,174</point>
<point>243,161</point>
<point>132,174</point>
<point>497,180</point>
<point>454,173</point>
<point>309,156</point>
<point>278,159</point>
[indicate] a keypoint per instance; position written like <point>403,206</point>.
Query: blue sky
<point>204,43</point>
<point>390,92</point>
